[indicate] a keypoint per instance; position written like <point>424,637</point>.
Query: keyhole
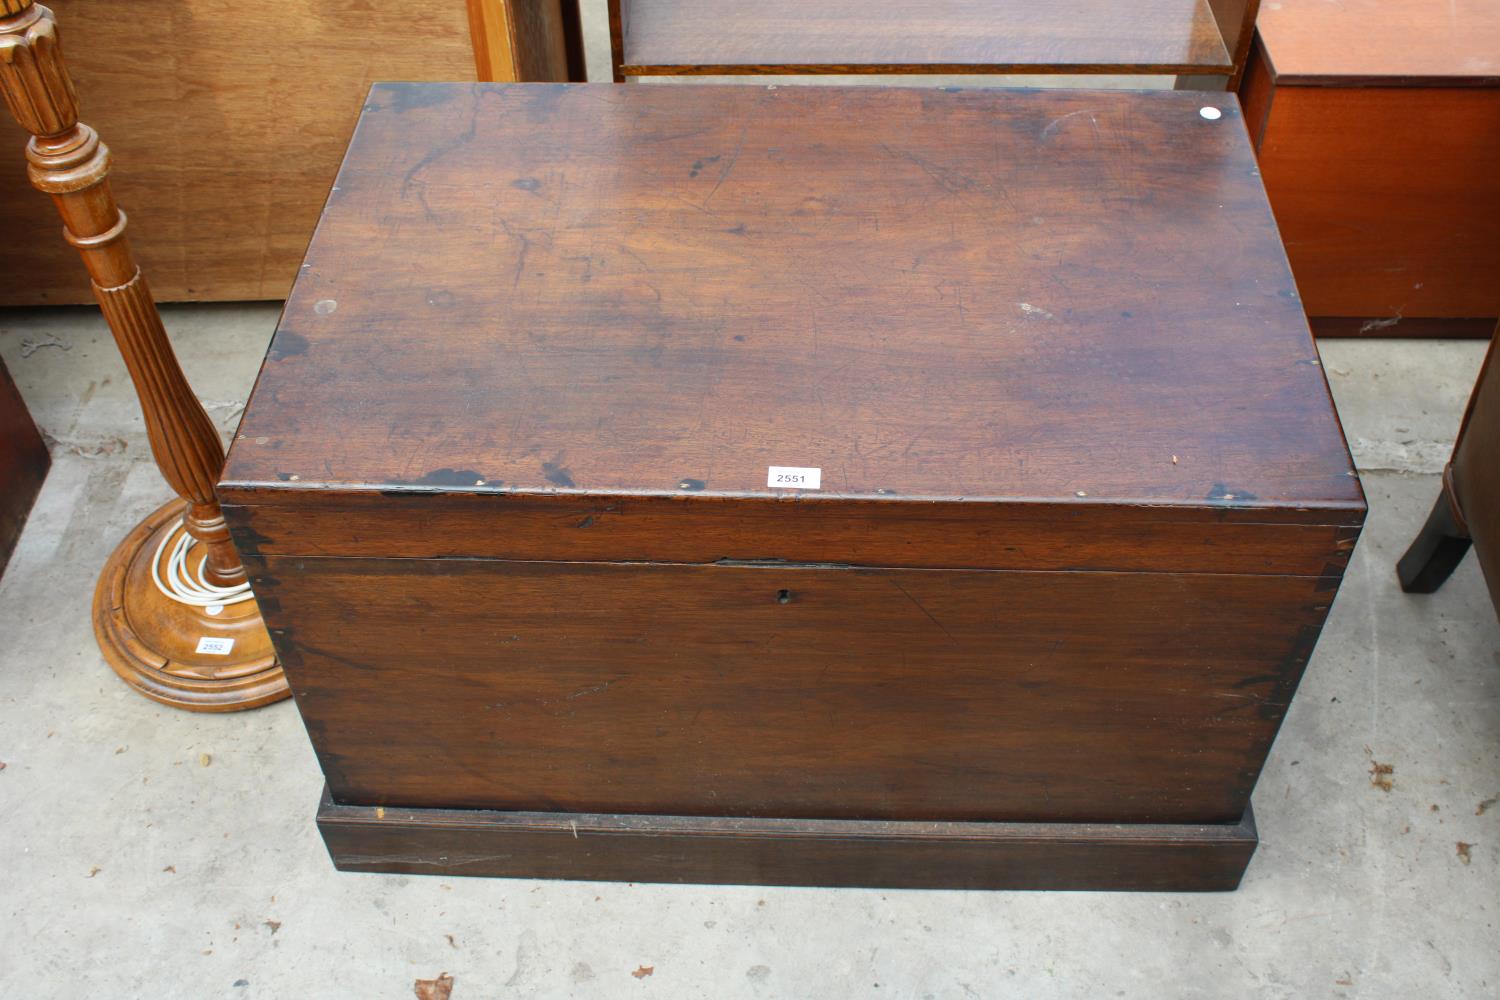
<point>783,597</point>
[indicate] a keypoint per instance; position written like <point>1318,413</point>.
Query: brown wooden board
<point>226,121</point>
<point>934,36</point>
<point>790,691</point>
<point>1177,858</point>
<point>880,531</point>
<point>1427,327</point>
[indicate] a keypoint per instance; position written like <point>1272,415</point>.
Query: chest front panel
<point>794,691</point>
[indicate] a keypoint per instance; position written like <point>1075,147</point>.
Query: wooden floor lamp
<point>173,612</point>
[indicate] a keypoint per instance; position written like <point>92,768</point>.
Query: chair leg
<point>1437,550</point>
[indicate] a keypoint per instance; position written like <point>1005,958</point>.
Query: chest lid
<point>1006,328</point>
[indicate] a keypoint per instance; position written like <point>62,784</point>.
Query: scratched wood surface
<point>1070,297</point>
<point>850,36</point>
<point>790,691</point>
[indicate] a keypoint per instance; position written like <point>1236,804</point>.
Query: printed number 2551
<point>787,477</point>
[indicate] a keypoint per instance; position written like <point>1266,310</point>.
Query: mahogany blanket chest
<point>839,486</point>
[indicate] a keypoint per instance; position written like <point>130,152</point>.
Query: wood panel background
<point>227,123</point>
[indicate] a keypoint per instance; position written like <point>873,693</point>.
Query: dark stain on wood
<point>286,344</point>
<point>452,477</point>
<point>558,476</point>
<point>404,99</point>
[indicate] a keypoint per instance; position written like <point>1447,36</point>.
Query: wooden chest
<point>799,485</point>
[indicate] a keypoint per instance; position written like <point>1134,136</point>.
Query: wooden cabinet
<point>1066,508</point>
<point>1377,124</point>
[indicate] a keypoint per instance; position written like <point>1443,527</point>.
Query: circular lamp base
<point>174,653</point>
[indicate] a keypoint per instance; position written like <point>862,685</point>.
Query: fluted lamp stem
<point>67,161</point>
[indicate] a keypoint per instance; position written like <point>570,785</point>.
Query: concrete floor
<point>132,868</point>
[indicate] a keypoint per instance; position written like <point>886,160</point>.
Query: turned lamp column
<point>149,641</point>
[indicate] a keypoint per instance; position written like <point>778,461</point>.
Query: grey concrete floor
<point>132,868</point>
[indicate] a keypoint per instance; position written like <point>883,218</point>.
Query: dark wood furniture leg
<point>23,465</point>
<point>1438,548</point>
<point>214,657</point>
<point>616,40</point>
<point>1467,512</point>
<point>572,25</point>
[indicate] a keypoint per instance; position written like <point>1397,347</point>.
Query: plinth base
<point>154,642</point>
<point>820,852</point>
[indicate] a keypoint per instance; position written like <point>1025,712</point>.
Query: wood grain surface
<point>790,691</point>
<point>227,122</point>
<point>678,849</point>
<point>1070,297</point>
<point>939,36</point>
<point>886,531</point>
<point>1383,42</point>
